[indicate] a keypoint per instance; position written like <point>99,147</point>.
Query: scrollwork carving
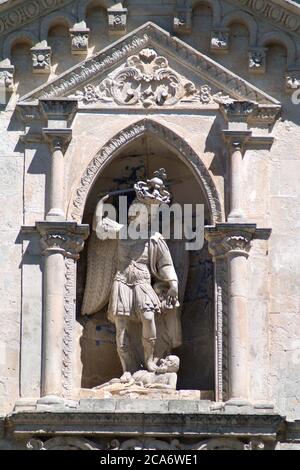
<point>148,80</point>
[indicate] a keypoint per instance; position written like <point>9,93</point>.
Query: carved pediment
<point>147,79</point>
<point>137,70</point>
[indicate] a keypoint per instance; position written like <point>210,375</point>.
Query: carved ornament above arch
<point>128,135</point>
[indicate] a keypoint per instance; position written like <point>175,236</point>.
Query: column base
<point>56,215</point>
<point>236,217</point>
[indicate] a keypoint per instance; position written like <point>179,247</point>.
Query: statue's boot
<point>126,361</point>
<point>148,345</point>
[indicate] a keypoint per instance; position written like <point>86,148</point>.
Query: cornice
<point>282,13</point>
<point>18,13</point>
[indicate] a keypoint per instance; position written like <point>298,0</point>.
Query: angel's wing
<point>101,268</point>
<point>181,261</point>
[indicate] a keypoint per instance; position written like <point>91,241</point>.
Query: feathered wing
<point>181,261</point>
<point>101,268</point>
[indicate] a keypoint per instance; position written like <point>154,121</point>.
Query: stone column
<point>236,141</point>
<point>58,140</point>
<point>59,114</point>
<point>232,242</point>
<point>59,240</point>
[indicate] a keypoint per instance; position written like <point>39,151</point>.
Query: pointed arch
<point>130,134</point>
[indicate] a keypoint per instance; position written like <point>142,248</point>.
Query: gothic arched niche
<point>99,359</point>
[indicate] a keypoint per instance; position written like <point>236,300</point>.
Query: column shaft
<point>57,183</point>
<point>53,317</point>
<point>236,161</point>
<point>238,326</point>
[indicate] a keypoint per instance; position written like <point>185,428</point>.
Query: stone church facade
<point>93,95</point>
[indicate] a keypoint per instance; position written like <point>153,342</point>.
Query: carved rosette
<point>219,41</point>
<point>41,58</point>
<point>257,60</point>
<point>66,238</point>
<point>117,20</point>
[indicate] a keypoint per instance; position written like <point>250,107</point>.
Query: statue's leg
<point>123,346</point>
<point>149,338</point>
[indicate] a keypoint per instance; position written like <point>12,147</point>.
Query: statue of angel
<point>138,281</point>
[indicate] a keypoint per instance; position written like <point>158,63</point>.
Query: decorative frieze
<point>79,38</point>
<point>41,58</point>
<point>26,12</point>
<point>117,20</point>
<point>257,60</point>
<point>283,16</point>
<point>219,42</point>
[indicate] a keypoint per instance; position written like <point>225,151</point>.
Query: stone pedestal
<point>58,241</point>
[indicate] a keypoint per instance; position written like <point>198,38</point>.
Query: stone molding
<point>69,325</point>
<point>110,417</point>
<point>141,443</point>
<point>278,12</point>
<point>132,132</point>
<point>150,35</point>
<point>66,238</point>
<point>19,15</point>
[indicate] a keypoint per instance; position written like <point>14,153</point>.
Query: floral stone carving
<point>148,80</point>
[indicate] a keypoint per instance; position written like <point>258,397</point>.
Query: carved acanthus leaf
<point>146,79</point>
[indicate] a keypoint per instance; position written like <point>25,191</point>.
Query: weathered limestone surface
<point>268,195</point>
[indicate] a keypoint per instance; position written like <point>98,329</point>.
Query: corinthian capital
<point>230,239</point>
<point>238,111</point>
<point>58,139</point>
<point>236,140</point>
<point>66,238</point>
